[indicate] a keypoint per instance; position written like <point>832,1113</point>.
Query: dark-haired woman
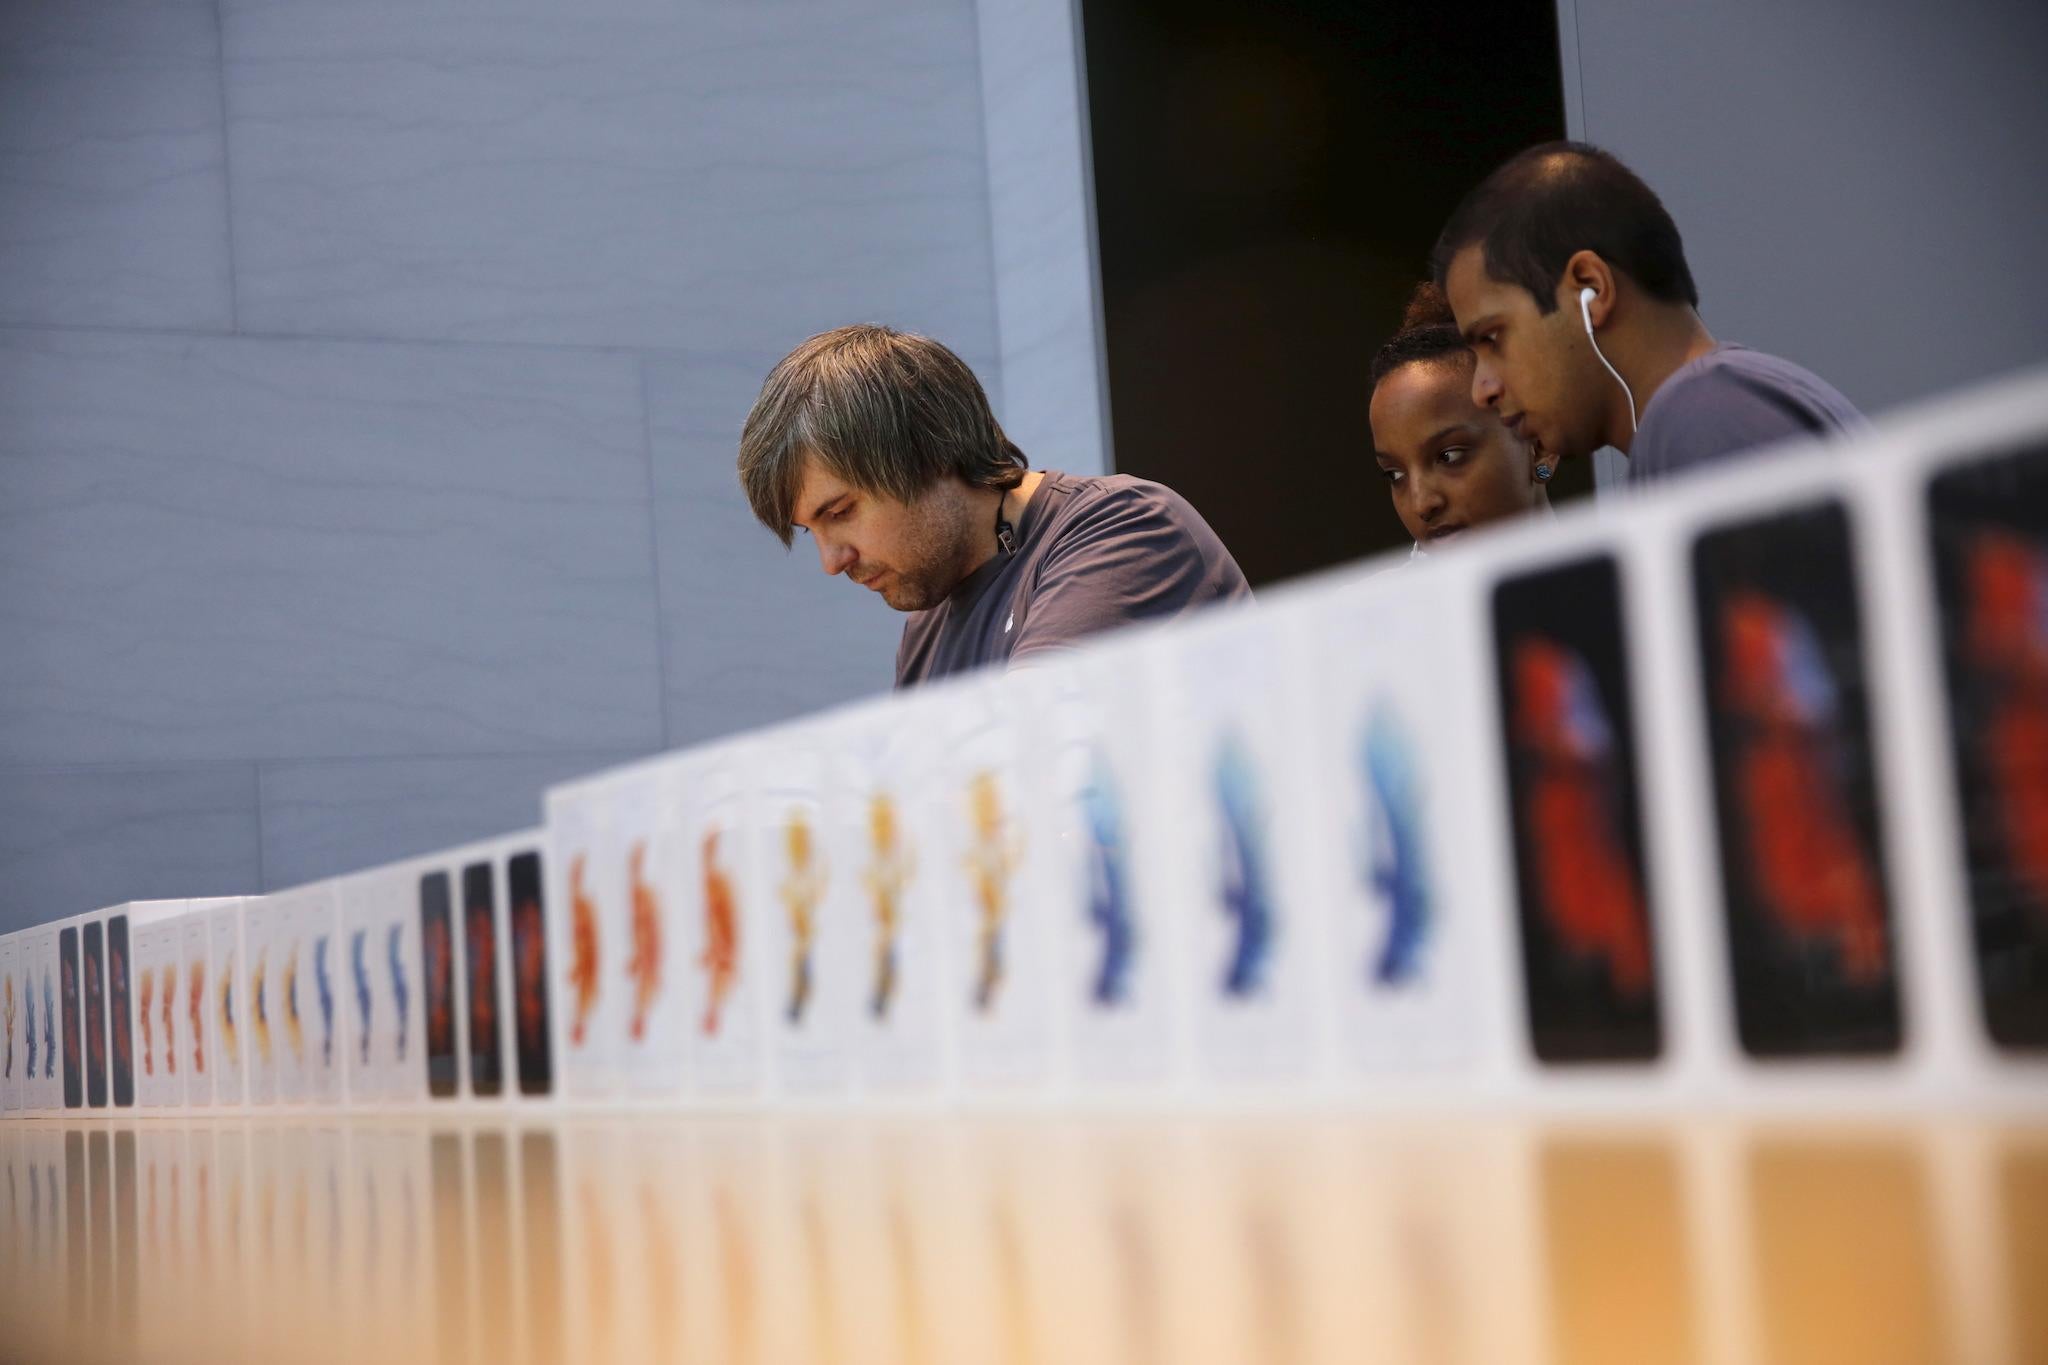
<point>1449,463</point>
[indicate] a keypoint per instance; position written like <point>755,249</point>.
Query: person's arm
<point>1136,555</point>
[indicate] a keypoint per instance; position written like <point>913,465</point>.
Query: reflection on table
<point>899,1239</point>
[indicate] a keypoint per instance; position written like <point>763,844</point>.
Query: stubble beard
<point>935,547</point>
<point>908,595</point>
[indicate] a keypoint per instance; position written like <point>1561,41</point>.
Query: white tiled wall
<point>235,548</point>
<point>674,176</point>
<point>370,377</point>
<point>113,184</point>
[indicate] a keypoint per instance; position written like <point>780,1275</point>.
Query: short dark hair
<point>889,412</point>
<point>1427,332</point>
<point>1551,201</point>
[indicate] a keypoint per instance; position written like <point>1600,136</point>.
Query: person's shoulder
<point>1099,498</point>
<point>1730,401</point>
<point>1733,372</point>
<point>1106,520</point>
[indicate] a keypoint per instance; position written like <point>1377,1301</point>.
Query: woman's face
<point>1449,464</point>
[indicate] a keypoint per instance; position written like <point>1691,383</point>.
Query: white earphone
<point>1586,297</point>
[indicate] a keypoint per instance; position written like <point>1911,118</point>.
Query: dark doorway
<point>1268,181</point>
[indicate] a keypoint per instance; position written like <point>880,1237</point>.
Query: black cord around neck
<point>1006,534</point>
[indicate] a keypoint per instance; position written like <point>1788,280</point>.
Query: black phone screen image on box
<point>480,959</point>
<point>529,973</point>
<point>120,1020</point>
<point>95,1017</point>
<point>437,967</point>
<point>1568,734</point>
<point>1987,525</point>
<point>67,1001</point>
<point>1810,936</point>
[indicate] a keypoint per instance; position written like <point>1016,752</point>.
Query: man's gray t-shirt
<point>1728,401</point>
<point>1092,554</point>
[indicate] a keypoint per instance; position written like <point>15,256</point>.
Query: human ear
<point>1585,270</point>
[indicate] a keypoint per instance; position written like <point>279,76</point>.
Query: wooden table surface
<point>943,1238</point>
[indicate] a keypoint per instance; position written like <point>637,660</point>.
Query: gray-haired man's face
<point>913,554</point>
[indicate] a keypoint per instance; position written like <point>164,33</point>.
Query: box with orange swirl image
<point>990,874</point>
<point>579,882</point>
<point>652,967</point>
<point>157,982</point>
<point>149,960</point>
<point>17,1007</point>
<point>262,973</point>
<point>291,994</point>
<point>617,949</point>
<point>227,1005</point>
<point>198,1025</point>
<point>144,949</point>
<point>725,972</point>
<point>317,1022</point>
<point>881,798</point>
<point>805,916</point>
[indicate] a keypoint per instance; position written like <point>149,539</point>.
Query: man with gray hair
<point>880,446</point>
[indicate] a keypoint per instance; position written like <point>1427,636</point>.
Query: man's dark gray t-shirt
<point>1092,554</point>
<point>1728,401</point>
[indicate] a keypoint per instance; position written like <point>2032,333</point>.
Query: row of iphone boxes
<point>1733,796</point>
<point>1736,796</point>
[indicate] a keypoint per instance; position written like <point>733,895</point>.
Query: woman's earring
<point>1543,472</point>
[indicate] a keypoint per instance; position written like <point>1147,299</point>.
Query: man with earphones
<point>1569,282</point>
